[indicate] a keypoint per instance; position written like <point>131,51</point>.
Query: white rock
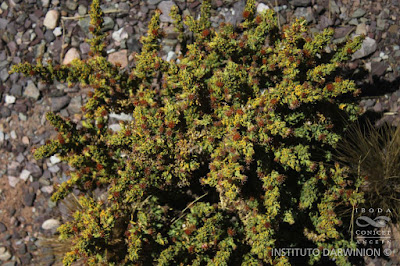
<point>51,19</point>
<point>47,189</point>
<point>45,3</point>
<point>31,91</point>
<point>54,159</point>
<point>10,99</point>
<point>13,135</point>
<point>51,224</point>
<point>171,56</point>
<point>262,7</point>
<point>12,181</point>
<point>115,127</point>
<point>24,175</point>
<point>72,54</point>
<point>120,35</point>
<point>4,254</point>
<point>1,136</point>
<point>121,116</point>
<point>57,31</point>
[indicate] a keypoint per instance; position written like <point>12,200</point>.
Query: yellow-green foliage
<point>228,153</point>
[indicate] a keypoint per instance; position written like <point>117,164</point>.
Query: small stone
<point>71,5</point>
<point>10,99</point>
<point>108,24</point>
<point>12,181</point>
<point>5,112</point>
<point>305,12</point>
<point>82,10</point>
<point>72,54</point>
<point>29,199</point>
<point>261,8</point>
<point>361,29</point>
<point>358,13</point>
<point>115,127</point>
<point>16,89</point>
<point>165,7</point>
<point>121,116</point>
<point>58,103</point>
<point>45,3</point>
<point>25,174</point>
<point>51,19</point>
<point>120,57</point>
<point>4,254</point>
<point>4,74</point>
<point>368,47</point>
<point>57,31</point>
<point>13,134</point>
<point>378,68</point>
<point>47,189</point>
<point>25,140</point>
<point>3,228</point>
<point>303,3</point>
<point>35,170</point>
<point>49,36</point>
<point>153,2</point>
<point>54,169</point>
<point>120,35</point>
<point>171,56</point>
<point>31,90</point>
<point>54,159</point>
<point>50,224</point>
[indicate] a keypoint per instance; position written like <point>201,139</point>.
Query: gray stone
<point>358,13</point>
<point>71,5</point>
<point>12,180</point>
<point>58,103</point>
<point>84,24</point>
<point>82,10</point>
<point>305,12</point>
<point>4,74</point>
<point>35,170</point>
<point>153,2</point>
<point>165,7</point>
<point>31,91</point>
<point>75,105</point>
<point>49,36</point>
<point>361,29</point>
<point>16,89</point>
<point>368,47</point>
<point>334,8</point>
<point>4,254</point>
<point>3,23</point>
<point>3,228</point>
<point>108,24</point>
<point>5,112</point>
<point>119,35</point>
<point>29,199</point>
<point>378,68</point>
<point>303,3</point>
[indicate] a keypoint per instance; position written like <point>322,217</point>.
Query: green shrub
<point>229,157</point>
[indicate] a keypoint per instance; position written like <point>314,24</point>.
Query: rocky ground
<point>51,29</point>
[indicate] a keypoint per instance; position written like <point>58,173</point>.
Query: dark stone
<point>5,112</point>
<point>29,198</point>
<point>59,103</point>
<point>21,249</point>
<point>378,68</point>
<point>26,259</point>
<point>35,170</point>
<point>303,3</point>
<point>3,228</point>
<point>49,36</point>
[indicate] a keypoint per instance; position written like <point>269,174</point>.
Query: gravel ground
<point>51,29</point>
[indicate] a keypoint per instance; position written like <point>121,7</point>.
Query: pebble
<point>262,7</point>
<point>358,13</point>
<point>51,19</point>
<point>12,180</point>
<point>120,57</point>
<point>361,29</point>
<point>303,3</point>
<point>165,7</point>
<point>58,103</point>
<point>25,174</point>
<point>171,56</point>
<point>31,90</point>
<point>4,254</point>
<point>5,112</point>
<point>54,159</point>
<point>9,99</point>
<point>72,54</point>
<point>305,12</point>
<point>57,31</point>
<point>120,35</point>
<point>51,224</point>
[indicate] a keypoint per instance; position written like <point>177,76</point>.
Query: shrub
<point>228,158</point>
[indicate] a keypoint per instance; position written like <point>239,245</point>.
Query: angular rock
<point>31,90</point>
<point>368,47</point>
<point>34,169</point>
<point>3,228</point>
<point>9,99</point>
<point>5,112</point>
<point>378,68</point>
<point>29,198</point>
<point>58,103</point>
<point>72,54</point>
<point>24,175</point>
<point>120,57</point>
<point>51,19</point>
<point>119,35</point>
<point>165,7</point>
<point>361,29</point>
<point>358,13</point>
<point>4,254</point>
<point>12,180</point>
<point>305,12</point>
